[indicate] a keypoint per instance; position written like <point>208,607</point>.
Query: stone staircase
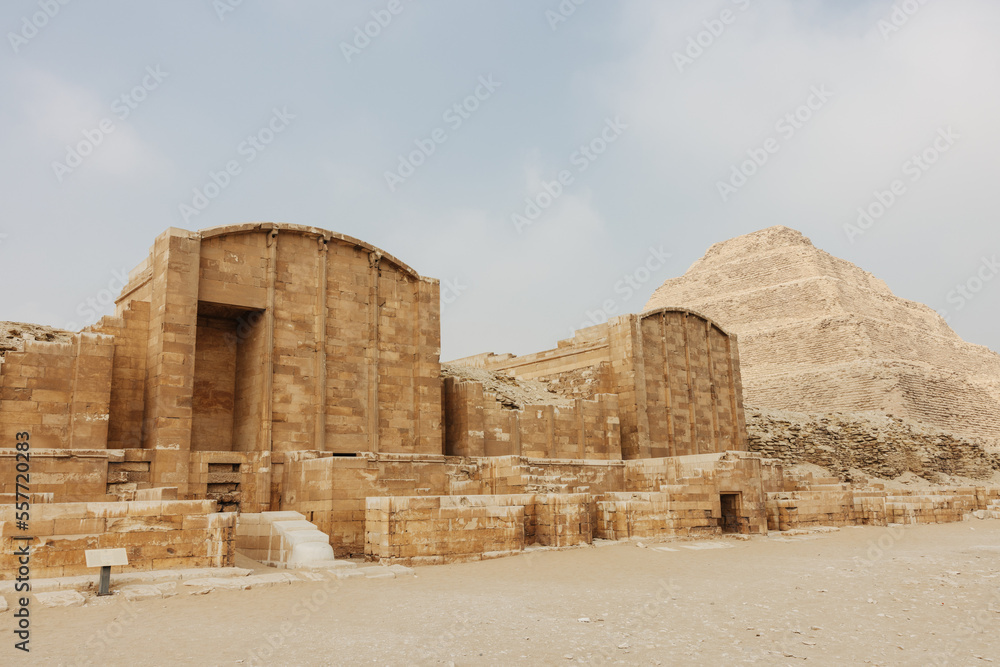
<point>992,511</point>
<point>283,539</point>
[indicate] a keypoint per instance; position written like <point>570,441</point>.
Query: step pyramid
<point>819,334</point>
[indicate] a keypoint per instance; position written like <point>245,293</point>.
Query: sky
<point>544,159</point>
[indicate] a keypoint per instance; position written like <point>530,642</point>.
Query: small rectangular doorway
<point>730,521</point>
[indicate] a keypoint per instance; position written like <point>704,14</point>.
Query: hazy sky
<point>430,133</point>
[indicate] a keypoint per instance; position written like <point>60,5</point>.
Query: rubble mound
<point>818,334</point>
<point>512,393</point>
<point>14,334</point>
<point>872,443</point>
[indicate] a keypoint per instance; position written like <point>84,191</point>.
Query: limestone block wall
<point>214,391</point>
<point>561,519</point>
<point>806,509</point>
<point>441,529</point>
<point>129,472</point>
<point>732,471</point>
<point>128,373</point>
<point>679,385</point>
<point>954,505</point>
<point>331,491</point>
<point>681,497</point>
<point>69,475</point>
<point>168,398</point>
<point>477,424</point>
<point>236,480</point>
<point>155,534</point>
<point>60,392</point>
<point>675,375</point>
<point>572,476</point>
<point>555,477</point>
<point>840,505</point>
<point>869,508</point>
<point>281,338</point>
<point>622,516</point>
<point>706,476</point>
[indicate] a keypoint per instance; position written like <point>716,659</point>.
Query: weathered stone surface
<point>881,446</point>
<point>60,599</point>
<point>139,592</point>
<point>14,334</point>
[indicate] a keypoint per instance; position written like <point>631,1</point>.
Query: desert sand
<point>912,595</point>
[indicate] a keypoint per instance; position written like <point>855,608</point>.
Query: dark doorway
<point>730,512</point>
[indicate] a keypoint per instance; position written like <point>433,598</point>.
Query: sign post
<point>105,559</point>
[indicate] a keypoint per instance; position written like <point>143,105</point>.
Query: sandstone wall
<point>155,534</point>
<point>331,490</point>
<point>675,375</point>
<point>477,424</point>
<point>830,504</point>
<point>66,475</point>
<point>623,516</point>
<point>128,373</point>
<point>249,338</point>
<point>60,392</point>
<point>442,529</point>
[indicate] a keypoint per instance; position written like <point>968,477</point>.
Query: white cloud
<point>59,116</point>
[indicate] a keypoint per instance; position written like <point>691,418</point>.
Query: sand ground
<point>917,595</point>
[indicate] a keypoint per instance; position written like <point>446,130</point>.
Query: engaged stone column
<point>173,323</point>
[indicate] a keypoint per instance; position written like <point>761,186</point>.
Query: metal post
<point>105,586</point>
